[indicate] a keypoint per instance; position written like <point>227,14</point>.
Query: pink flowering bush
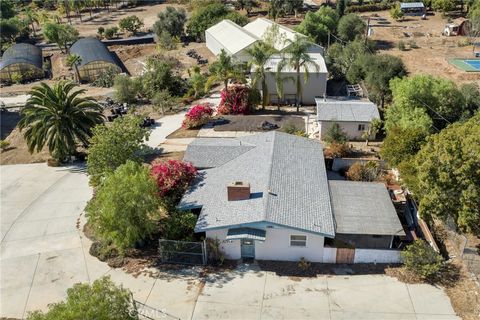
<point>235,100</point>
<point>173,178</point>
<point>197,116</point>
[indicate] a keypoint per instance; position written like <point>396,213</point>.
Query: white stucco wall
<point>377,256</point>
<point>275,247</point>
<point>350,128</point>
<point>329,255</point>
<point>316,86</point>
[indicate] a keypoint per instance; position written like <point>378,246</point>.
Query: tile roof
<point>287,177</point>
<point>346,109</point>
<point>363,208</point>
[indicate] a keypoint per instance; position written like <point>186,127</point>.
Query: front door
<point>247,248</point>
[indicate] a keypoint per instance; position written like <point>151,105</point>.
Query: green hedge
<point>369,7</point>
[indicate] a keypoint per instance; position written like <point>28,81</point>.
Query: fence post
<point>205,256</point>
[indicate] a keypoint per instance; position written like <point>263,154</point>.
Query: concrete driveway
<point>43,253</point>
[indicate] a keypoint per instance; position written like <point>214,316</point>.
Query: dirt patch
<point>254,122</point>
<point>183,133</point>
<point>18,151</point>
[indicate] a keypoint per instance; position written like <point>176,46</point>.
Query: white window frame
<point>298,235</point>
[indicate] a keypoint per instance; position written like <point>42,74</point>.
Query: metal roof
<point>22,53</point>
<point>231,36</point>
<point>363,208</point>
<point>288,183</point>
<point>260,26</point>
<point>273,62</point>
<point>246,233</point>
<point>92,49</point>
<point>346,109</point>
<point>411,5</point>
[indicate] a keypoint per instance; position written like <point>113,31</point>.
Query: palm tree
<point>223,70</point>
<point>73,61</point>
<point>260,53</point>
<point>59,118</point>
<point>295,56</point>
<point>31,17</point>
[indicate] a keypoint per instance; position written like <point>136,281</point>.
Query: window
<point>298,241</point>
<point>361,127</point>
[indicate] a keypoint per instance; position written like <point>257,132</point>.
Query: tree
<point>113,145</point>
<point>179,225</point>
<point>374,128</point>
<point>159,76</point>
<point>171,20</point>
<point>350,27</point>
<point>296,57</point>
<point>260,54</point>
<point>335,134</point>
<point>420,258</point>
<point>164,100</point>
<point>401,144</point>
<point>31,17</point>
<point>197,81</point>
<point>125,207</point>
<point>292,6</point>
<point>111,32</point>
<point>7,9</point>
<point>445,175</point>
<point>443,5</point>
<point>317,25</point>
<point>246,5</point>
<point>73,61</point>
<point>173,177</point>
<point>61,34</point>
<point>131,24</point>
<point>346,61</point>
<point>395,12</point>
<point>126,88</point>
<point>341,6</point>
<point>223,70</point>
<point>59,118</point>
<point>205,16</point>
<point>100,300</point>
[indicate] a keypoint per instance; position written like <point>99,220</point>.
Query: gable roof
<point>231,36</point>
<point>410,5</point>
<point>346,109</point>
<point>260,26</point>
<point>288,185</point>
<point>363,208</point>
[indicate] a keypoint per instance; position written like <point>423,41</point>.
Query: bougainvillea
<point>173,177</point>
<point>235,100</point>
<point>197,116</point>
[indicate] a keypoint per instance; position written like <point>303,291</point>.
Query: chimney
<point>238,190</point>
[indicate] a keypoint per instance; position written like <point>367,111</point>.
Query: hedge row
<point>369,7</point>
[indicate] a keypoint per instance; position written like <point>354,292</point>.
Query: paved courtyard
<point>43,252</point>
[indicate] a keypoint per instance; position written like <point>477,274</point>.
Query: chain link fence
<point>182,252</point>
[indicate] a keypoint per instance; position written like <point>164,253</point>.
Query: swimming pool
<point>469,65</point>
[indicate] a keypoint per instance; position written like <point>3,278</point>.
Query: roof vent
<point>238,190</point>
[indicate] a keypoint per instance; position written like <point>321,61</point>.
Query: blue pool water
<point>473,63</point>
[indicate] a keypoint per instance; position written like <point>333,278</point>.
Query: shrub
<point>173,177</point>
<point>401,46</point>
<point>17,77</point>
<point>179,226</point>
<point>100,300</point>
<point>290,128</point>
<point>113,145</point>
<point>126,88</point>
<point>235,100</point>
<point>369,7</point>
<point>304,264</point>
<point>107,78</point>
<point>215,255</point>
<point>125,206</point>
<point>368,171</point>
<point>197,116</point>
<point>412,44</point>
<point>101,31</point>
<point>339,150</point>
<point>160,75</point>
<point>166,41</point>
<point>421,259</point>
<point>131,24</point>
<point>396,13</point>
<point>110,33</point>
<point>351,26</point>
<point>335,134</point>
<point>4,145</point>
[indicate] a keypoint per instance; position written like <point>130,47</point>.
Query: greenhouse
<point>20,62</point>
<point>95,58</point>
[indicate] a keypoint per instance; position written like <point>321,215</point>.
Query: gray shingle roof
<point>346,109</point>
<point>363,208</point>
<point>288,185</point>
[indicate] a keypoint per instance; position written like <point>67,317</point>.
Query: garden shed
<point>22,61</point>
<point>96,58</point>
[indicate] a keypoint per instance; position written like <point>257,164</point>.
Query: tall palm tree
<point>223,70</point>
<point>73,61</point>
<point>295,56</point>
<point>31,17</point>
<point>59,118</point>
<point>260,53</point>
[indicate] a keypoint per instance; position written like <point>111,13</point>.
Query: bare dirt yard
<point>434,50</point>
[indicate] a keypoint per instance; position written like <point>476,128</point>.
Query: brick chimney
<point>238,190</point>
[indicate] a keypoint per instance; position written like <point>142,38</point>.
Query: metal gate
<point>182,252</point>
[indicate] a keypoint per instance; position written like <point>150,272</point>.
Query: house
<point>267,197</point>
<point>352,114</point>
<point>96,58</point>
<point>22,61</point>
<point>413,8</point>
<point>235,40</point>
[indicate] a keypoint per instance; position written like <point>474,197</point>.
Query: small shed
<point>458,27</point>
<point>96,58</point>
<point>22,61</point>
<point>413,8</point>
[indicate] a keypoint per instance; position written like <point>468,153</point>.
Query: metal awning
<point>246,233</point>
